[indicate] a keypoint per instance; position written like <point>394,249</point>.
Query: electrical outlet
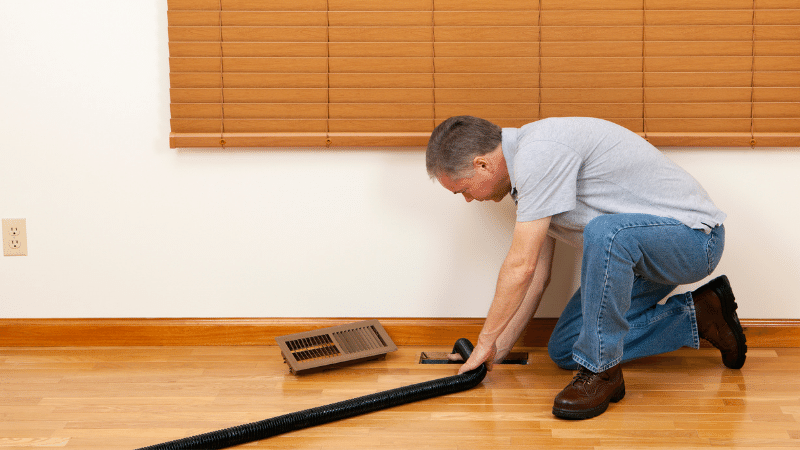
<point>15,237</point>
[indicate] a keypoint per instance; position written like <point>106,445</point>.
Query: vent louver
<point>326,348</point>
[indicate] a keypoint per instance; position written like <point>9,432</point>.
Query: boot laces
<point>584,375</point>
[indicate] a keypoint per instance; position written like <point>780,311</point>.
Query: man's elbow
<point>521,267</point>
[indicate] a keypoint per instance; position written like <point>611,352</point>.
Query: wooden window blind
<point>248,73</point>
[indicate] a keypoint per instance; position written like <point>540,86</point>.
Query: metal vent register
<point>326,348</point>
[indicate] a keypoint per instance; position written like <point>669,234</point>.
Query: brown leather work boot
<point>589,393</point>
<point>718,323</point>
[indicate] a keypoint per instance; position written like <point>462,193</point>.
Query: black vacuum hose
<point>323,414</point>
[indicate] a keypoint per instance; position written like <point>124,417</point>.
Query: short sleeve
<point>546,179</point>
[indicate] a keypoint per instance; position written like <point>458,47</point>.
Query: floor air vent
<point>335,346</point>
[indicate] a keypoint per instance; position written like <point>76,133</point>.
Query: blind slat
<point>380,80</point>
<point>498,17</point>
<point>380,49</point>
<point>381,125</point>
<point>699,64</point>
<point>274,34</point>
<point>494,95</point>
<point>698,94</point>
<point>483,5</point>
<point>485,80</point>
<point>380,65</point>
<point>690,124</point>
<point>247,80</point>
<point>248,18</point>
<point>381,95</point>
<point>779,94</point>
<point>591,34</point>
<point>530,110</point>
<point>275,125</point>
<point>487,34</point>
<point>708,110</point>
<point>196,126</point>
<point>382,111</point>
<point>600,110</point>
<point>377,19</point>
<point>263,65</point>
<point>691,5</point>
<point>271,5</point>
<point>254,95</point>
<point>381,34</point>
<point>379,5</point>
<point>250,110</point>
<point>486,65</point>
<point>249,49</point>
<point>275,18</point>
<point>247,126</point>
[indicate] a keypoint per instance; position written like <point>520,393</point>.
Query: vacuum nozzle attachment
<point>463,347</point>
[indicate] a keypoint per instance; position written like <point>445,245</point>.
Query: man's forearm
<point>541,278</point>
<point>512,287</point>
<point>515,327</point>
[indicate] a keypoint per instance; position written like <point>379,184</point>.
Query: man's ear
<point>481,162</point>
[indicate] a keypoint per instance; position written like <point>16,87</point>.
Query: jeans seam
<point>603,298</point>
<point>709,257</point>
<point>664,315</point>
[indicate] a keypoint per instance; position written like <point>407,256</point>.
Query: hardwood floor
<point>130,397</point>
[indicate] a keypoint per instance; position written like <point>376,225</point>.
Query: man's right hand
<point>482,353</point>
<point>499,357</point>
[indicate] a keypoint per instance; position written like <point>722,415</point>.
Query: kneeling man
<point>645,226</point>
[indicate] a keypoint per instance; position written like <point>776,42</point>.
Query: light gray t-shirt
<point>577,168</point>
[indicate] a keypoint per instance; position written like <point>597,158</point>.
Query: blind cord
<point>752,78</point>
<point>433,61</point>
<point>221,80</point>
<point>540,61</point>
<point>644,70</point>
<point>328,141</point>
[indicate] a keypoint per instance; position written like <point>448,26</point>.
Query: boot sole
<point>722,288</point>
<point>591,412</point>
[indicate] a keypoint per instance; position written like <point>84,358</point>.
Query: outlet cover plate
<point>15,237</point>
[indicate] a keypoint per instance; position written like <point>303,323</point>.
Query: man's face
<point>482,185</point>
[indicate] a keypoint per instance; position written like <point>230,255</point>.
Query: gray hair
<point>456,142</point>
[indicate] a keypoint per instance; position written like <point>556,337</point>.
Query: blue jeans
<point>630,263</point>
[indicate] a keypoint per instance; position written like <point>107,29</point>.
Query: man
<point>645,227</point>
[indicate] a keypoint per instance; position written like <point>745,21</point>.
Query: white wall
<point>120,225</point>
